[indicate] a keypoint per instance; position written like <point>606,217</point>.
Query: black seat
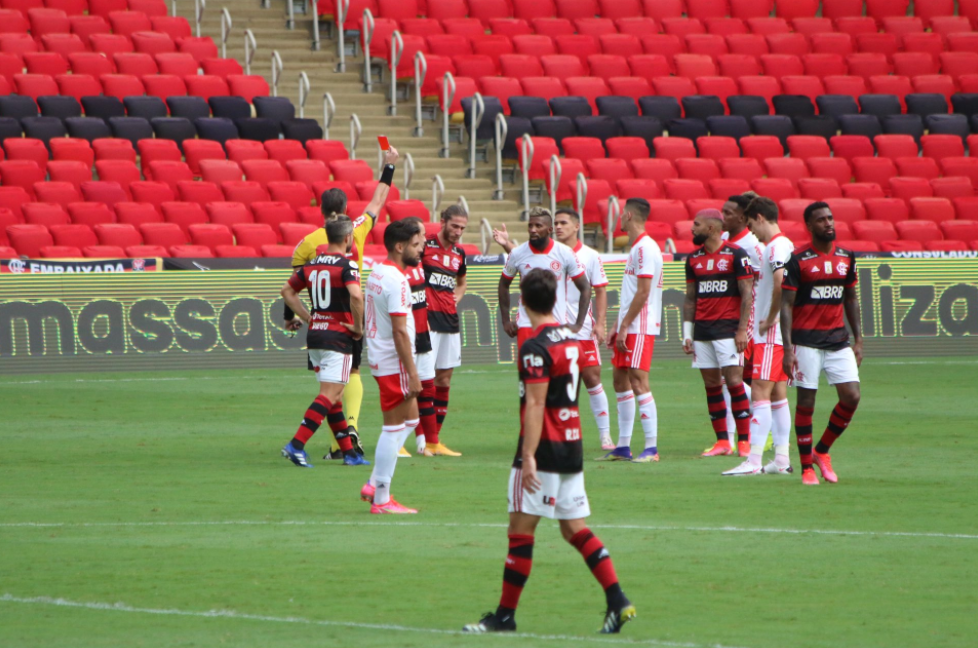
<point>603,127</point>
<point>59,106</point>
<point>176,129</point>
<point>947,125</point>
<point>912,125</point>
<point>89,128</point>
<point>616,106</point>
<point>703,107</point>
<point>131,128</point>
<point>868,125</point>
<point>529,107</point>
<point>835,105</point>
<point>648,128</point>
<point>570,107</point>
<point>103,107</point>
<point>230,107</point>
<point>189,107</point>
<point>793,105</point>
<point>554,127</point>
<point>733,126</point>
<point>217,129</point>
<point>779,126</point>
<point>516,128</point>
<point>17,106</point>
<point>278,109</point>
<point>487,127</point>
<point>748,106</point>
<point>44,128</point>
<point>259,129</point>
<point>880,104</point>
<point>820,125</point>
<point>662,108</point>
<point>926,103</point>
<point>302,130</point>
<point>145,107</point>
<point>687,127</point>
<point>965,103</point>
<point>10,127</point>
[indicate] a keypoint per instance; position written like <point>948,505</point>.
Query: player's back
<point>552,355</point>
<point>326,278</point>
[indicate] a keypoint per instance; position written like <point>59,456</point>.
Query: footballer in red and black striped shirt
<point>547,478</point>
<point>819,295</point>
<point>717,324</point>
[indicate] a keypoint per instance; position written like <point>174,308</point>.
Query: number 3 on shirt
<point>319,289</point>
<point>573,353</point>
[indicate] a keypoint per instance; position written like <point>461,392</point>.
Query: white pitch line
<point>476,525</point>
<point>243,616</point>
<point>101,380</point>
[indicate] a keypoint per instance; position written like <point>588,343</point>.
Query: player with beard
<point>444,269</point>
<point>547,475</point>
<point>390,343</point>
<point>736,231</point>
<point>333,282</point>
<point>567,225</point>
<point>541,251</point>
<point>716,325</point>
<point>769,396</point>
<point>819,296</point>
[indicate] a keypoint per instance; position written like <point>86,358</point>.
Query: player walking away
<point>737,232</point>
<point>333,283</point>
<point>716,325</point>
<point>390,343</point>
<point>547,478</point>
<point>541,251</point>
<point>819,285</point>
<point>633,339</point>
<point>769,399</point>
<point>333,204</point>
<point>444,269</point>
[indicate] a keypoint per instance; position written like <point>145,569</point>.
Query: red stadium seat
<point>738,65</point>
<point>836,168</point>
<point>219,67</point>
<point>854,86</point>
<point>248,86</point>
<point>273,214</point>
<point>109,44</point>
<point>945,25</point>
<point>818,188</point>
<point>868,64</point>
<point>907,188</point>
<point>60,252</point>
<point>123,172</point>
<point>151,42</point>
<point>610,169</point>
<point>545,87</point>
<point>242,150</point>
<point>633,87</point>
<point>163,234</point>
<point>940,147</point>
<point>153,150</point>
<point>777,189</point>
<point>639,26</point>
<point>960,230</point>
<point>722,188</point>
<point>154,193</point>
<point>235,251</point>
<point>190,252</point>
<point>206,86</point>
<point>922,231</point>
<point>128,23</point>
<point>199,192</point>
<point>672,148</point>
<point>597,191</point>
<point>218,171</point>
<point>808,86</point>
<point>21,173</point>
<point>183,214</point>
<point>874,230</point>
<point>48,63</point>
<point>296,194</point>
<point>763,86</point>
<point>29,239</point>
<point>677,87</point>
<point>27,149</point>
<point>747,169</point>
<point>781,65</point>
<point>792,169</point>
<point>717,147</point>
<point>583,148</point>
<point>823,65</point>
<point>852,146</point>
<point>210,235</point>
<point>847,210</point>
<point>895,146</point>
<point>307,172</point>
<point>254,234</point>
<point>246,192</point>
<point>176,27</point>
<point>168,172</point>
<point>953,187</point>
<point>936,210</point>
<point>75,234</point>
<point>59,193</point>
<point>685,189</point>
<point>807,146</point>
<point>103,252</point>
<point>965,208</point>
<point>608,66</point>
<point>46,215</point>
<point>164,85</point>
<point>35,85</point>
<point>264,171</point>
<point>760,147</point>
<point>199,48</point>
<point>563,66</point>
<point>862,191</point>
<point>351,171</point>
<point>110,148</point>
<point>228,213</point>
<point>655,169</point>
<point>627,148</point>
<point>136,213</point>
<point>918,167</point>
<point>874,169</point>
<point>118,234</point>
<point>695,65</point>
<point>706,44</point>
<point>283,151</point>
<point>502,88</point>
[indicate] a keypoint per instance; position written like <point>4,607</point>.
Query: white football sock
<point>599,407</point>
<point>626,417</point>
<point>385,460</point>
<point>650,419</point>
<point>731,423</point>
<point>781,430</point>
<point>760,425</point>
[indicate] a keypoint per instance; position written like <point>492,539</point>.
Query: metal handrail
<point>356,130</point>
<point>437,191</point>
<point>329,111</point>
<point>526,159</point>
<point>290,21</point>
<point>277,68</point>
<point>614,213</point>
<point>502,132</point>
<point>315,25</point>
<point>226,25</point>
<point>342,10</point>
<point>420,72</point>
<point>408,175</point>
<point>199,6</point>
<point>463,203</point>
<point>556,171</point>
<point>250,48</point>
<point>305,88</point>
<point>448,97</point>
<point>478,110</point>
<point>369,26</point>
<point>173,8</point>
<point>485,231</point>
<point>397,51</point>
<point>670,246</point>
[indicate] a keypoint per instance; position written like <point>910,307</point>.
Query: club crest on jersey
<point>456,263</point>
<point>842,267</point>
<point>723,265</point>
<point>555,266</point>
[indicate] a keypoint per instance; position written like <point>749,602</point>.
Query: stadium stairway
<point>294,47</point>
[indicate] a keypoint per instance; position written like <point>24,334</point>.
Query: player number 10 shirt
<point>644,262</point>
<point>388,296</point>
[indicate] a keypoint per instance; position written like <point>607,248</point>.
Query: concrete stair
<point>271,32</point>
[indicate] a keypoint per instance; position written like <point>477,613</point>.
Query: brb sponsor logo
<point>714,286</point>
<point>827,292</point>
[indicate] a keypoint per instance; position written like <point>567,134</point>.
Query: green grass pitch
<point>155,510</point>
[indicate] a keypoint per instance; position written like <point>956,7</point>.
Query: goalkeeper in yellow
<point>334,204</point>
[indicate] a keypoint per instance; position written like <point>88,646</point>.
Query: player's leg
<point>426,406</point>
<point>808,368</point>
<point>332,373</point>
<point>572,509</point>
<point>598,399</point>
<point>353,395</point>
<point>400,421</point>
<point>626,410</point>
<point>840,370</point>
<point>638,379</point>
<point>733,376</point>
<point>780,415</point>
<point>760,424</point>
<point>448,355</point>
<point>705,359</point>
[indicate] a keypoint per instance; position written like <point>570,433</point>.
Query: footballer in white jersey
<point>543,252</point>
<point>776,254</point>
<point>388,296</point>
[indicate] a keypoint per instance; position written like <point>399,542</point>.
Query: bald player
<point>334,204</point>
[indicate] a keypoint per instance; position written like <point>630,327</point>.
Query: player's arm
<point>601,312</point>
<point>356,310</point>
<point>850,302</point>
<point>504,308</point>
<point>745,285</point>
<point>787,316</point>
<point>294,302</point>
<point>501,236</point>
<point>772,315</point>
<point>384,186</point>
<point>634,309</point>
<point>584,286</point>
<point>533,413</point>
<point>689,316</point>
<point>404,346</point>
<point>460,286</point>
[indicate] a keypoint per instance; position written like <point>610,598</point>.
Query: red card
<point>384,144</point>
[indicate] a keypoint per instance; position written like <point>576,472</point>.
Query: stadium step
<point>295,49</point>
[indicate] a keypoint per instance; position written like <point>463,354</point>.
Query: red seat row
<point>128,85</point>
<point>155,8</point>
<point>95,65</point>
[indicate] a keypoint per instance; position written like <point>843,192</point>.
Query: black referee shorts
<point>357,352</point>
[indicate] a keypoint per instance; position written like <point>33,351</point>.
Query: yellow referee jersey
<point>307,248</point>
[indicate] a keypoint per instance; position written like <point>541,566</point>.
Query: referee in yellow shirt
<point>334,204</point>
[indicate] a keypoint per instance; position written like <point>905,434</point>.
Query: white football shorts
<point>447,349</point>
<point>331,366</point>
<point>562,496</point>
<point>426,365</point>
<point>839,366</point>
<point>714,354</point>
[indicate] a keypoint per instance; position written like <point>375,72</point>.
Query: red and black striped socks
<point>599,562</point>
<point>339,427</point>
<point>426,410</point>
<point>740,405</point>
<point>311,421</point>
<point>803,434</point>
<point>519,561</point>
<point>838,422</point>
<point>718,412</point>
